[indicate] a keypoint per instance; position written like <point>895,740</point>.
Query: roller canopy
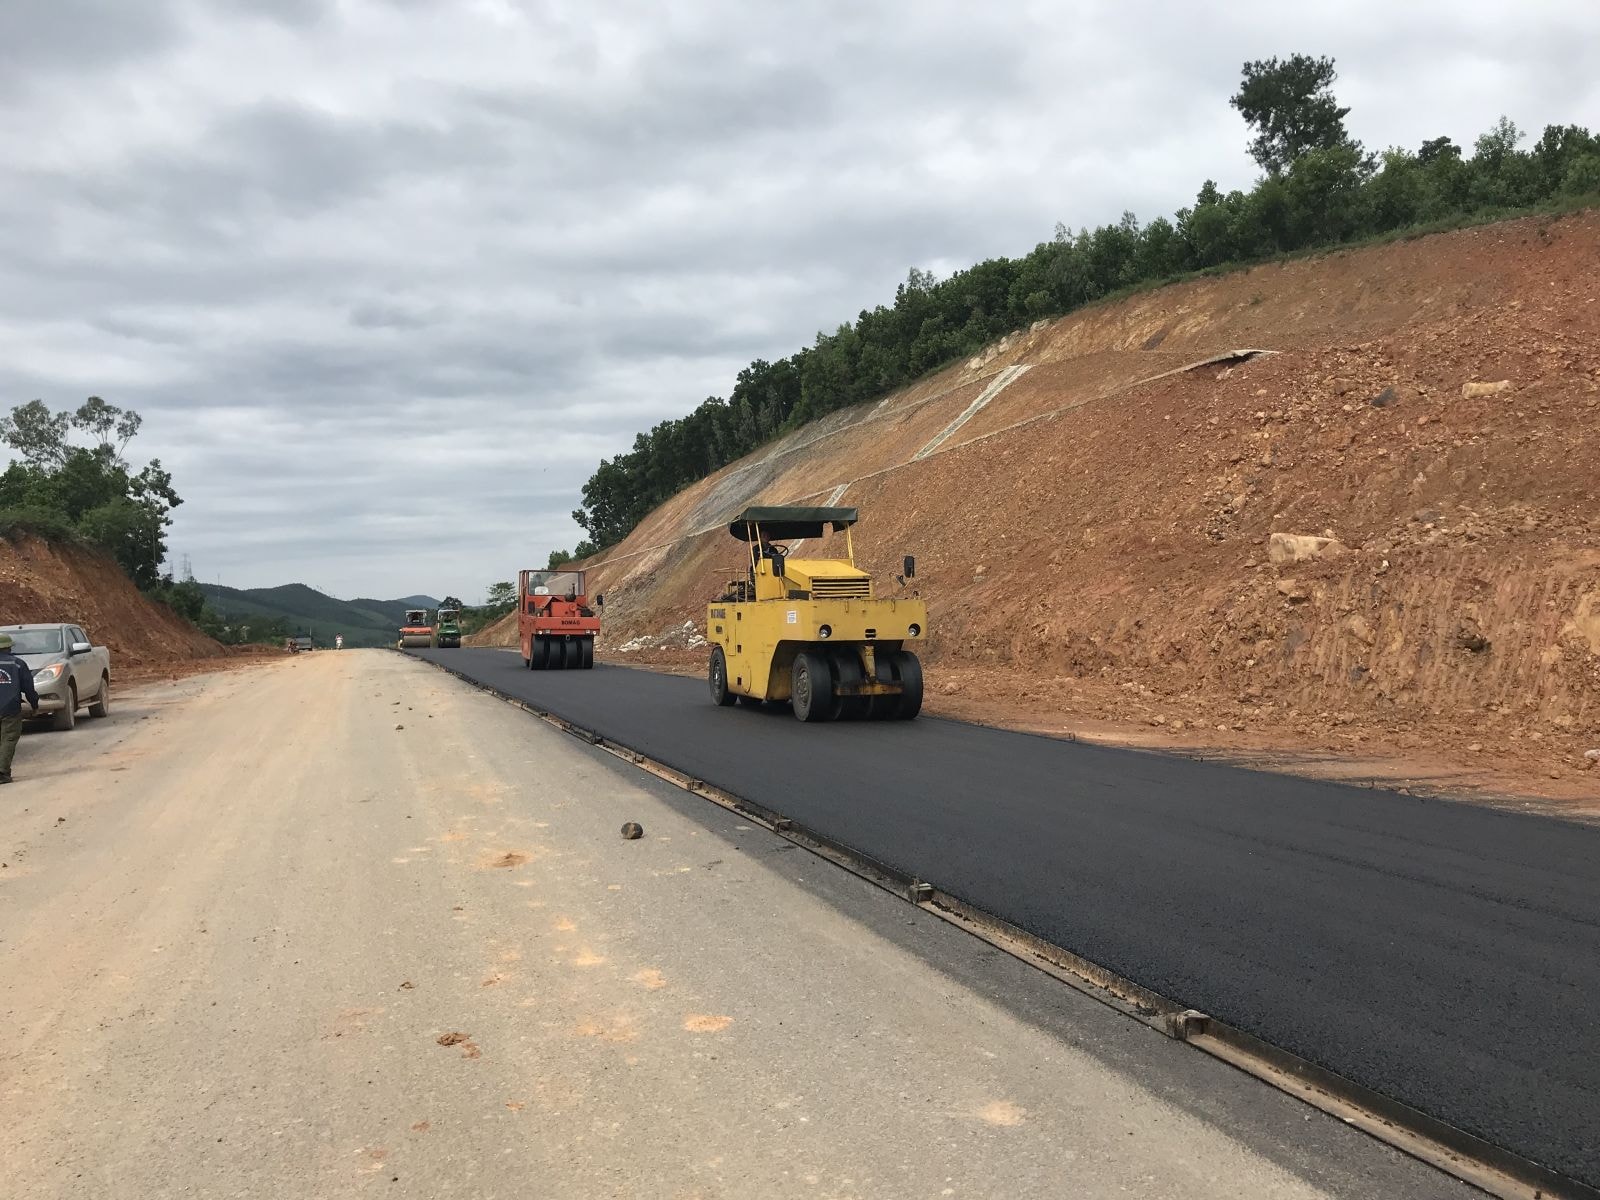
<point>781,523</point>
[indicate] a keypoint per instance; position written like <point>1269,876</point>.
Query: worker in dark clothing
<point>16,681</point>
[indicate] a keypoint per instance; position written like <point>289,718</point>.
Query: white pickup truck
<point>68,672</point>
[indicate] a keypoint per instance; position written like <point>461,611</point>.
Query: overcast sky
<point>387,278</point>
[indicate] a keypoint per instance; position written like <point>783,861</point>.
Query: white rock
<point>1294,547</point>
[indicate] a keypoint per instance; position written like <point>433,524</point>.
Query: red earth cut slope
<point>43,582</point>
<point>1091,504</point>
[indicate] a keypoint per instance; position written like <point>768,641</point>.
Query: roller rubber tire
<point>811,689</point>
<point>717,678</point>
<point>908,670</point>
<point>845,663</point>
<point>541,654</point>
<point>883,708</point>
<point>586,652</point>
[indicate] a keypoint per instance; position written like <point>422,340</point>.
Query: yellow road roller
<point>813,632</point>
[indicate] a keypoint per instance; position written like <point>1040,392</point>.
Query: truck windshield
<point>36,641</point>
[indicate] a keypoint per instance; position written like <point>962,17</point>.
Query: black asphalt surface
<point>1444,954</point>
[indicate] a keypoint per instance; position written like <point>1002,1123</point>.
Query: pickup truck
<point>68,672</point>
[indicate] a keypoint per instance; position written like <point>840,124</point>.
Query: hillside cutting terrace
<point>1091,504</point>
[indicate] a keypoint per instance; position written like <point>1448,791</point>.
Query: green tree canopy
<point>73,468</point>
<point>1290,105</point>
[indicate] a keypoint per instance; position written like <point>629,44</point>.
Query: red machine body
<point>557,625</point>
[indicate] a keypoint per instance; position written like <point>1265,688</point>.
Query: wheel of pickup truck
<point>811,687</point>
<point>68,716</point>
<point>100,706</point>
<point>586,653</point>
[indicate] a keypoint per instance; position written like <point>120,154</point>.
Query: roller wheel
<point>908,670</point>
<point>846,664</point>
<point>541,654</point>
<point>883,708</point>
<point>586,650</point>
<point>572,654</point>
<point>717,676</point>
<point>811,687</point>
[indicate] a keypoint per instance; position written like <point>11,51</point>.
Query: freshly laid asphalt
<point>1444,954</point>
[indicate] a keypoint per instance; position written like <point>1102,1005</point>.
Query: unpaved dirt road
<point>259,940</point>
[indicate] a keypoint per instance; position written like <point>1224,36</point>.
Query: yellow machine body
<point>828,607</point>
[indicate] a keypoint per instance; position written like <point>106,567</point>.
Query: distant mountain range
<point>363,622</point>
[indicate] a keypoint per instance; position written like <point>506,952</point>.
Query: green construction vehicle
<point>447,629</point>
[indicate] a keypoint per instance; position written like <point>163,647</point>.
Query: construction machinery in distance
<point>447,629</point>
<point>557,625</point>
<point>416,632</point>
<point>811,632</point>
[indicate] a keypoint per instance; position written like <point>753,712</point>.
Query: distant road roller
<point>811,632</point>
<point>417,632</point>
<point>447,632</point>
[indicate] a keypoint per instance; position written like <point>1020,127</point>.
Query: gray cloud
<point>40,39</point>
<point>387,278</point>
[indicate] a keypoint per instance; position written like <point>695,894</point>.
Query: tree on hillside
<point>1292,109</point>
<point>1436,148</point>
<point>90,487</point>
<point>501,595</point>
<point>450,602</point>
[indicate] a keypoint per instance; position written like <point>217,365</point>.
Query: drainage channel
<point>1463,1155</point>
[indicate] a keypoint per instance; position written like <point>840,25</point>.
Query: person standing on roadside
<point>16,681</point>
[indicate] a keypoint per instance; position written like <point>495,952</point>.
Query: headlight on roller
<point>824,631</point>
<point>914,629</point>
